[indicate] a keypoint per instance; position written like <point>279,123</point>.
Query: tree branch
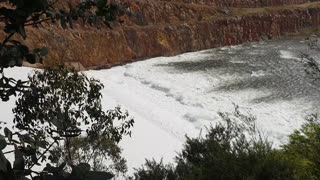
<point>68,149</point>
<point>42,155</point>
<point>38,22</point>
<point>8,152</point>
<point>7,38</point>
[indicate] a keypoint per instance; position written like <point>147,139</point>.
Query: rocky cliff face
<point>243,3</point>
<point>164,28</point>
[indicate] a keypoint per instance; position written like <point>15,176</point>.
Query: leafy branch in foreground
<point>16,15</point>
<point>61,107</point>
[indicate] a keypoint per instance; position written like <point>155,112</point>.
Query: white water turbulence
<point>170,97</point>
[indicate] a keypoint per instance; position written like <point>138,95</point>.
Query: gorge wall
<point>169,27</point>
<point>243,3</point>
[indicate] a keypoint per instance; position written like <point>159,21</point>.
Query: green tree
<point>61,105</point>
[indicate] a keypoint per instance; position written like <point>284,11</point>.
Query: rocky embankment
<point>169,27</point>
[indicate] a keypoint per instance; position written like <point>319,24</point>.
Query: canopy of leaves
<point>60,100</point>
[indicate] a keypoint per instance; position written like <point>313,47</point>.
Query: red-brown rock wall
<point>169,40</point>
<point>169,27</point>
<point>244,3</point>
<point>102,48</point>
<point>160,12</point>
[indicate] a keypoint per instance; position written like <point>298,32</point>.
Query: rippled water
<point>275,66</point>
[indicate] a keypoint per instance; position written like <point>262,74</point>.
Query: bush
<point>303,149</point>
<point>156,171</point>
<point>230,150</point>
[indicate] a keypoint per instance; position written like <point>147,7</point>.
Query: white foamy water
<point>170,97</point>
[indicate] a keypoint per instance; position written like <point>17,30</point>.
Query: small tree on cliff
<point>60,108</point>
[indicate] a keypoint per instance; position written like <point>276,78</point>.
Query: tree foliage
<point>98,153</point>
<point>60,105</point>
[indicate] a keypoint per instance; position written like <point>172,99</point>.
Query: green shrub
<point>303,149</point>
<point>233,149</point>
<point>155,171</point>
